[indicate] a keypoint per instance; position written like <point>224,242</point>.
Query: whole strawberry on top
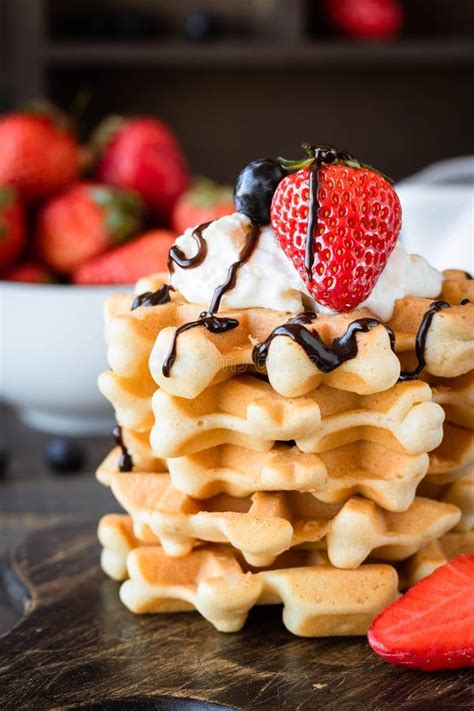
<point>12,226</point>
<point>338,220</point>
<point>83,221</point>
<point>39,155</point>
<point>144,155</point>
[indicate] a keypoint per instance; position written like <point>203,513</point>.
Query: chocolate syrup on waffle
<point>326,357</point>
<point>153,298</point>
<point>420,343</point>
<point>125,461</point>
<point>208,319</point>
<point>177,256</point>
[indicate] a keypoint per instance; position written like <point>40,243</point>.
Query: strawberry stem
<point>325,155</point>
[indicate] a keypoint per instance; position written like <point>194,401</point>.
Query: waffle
<point>456,396</point>
<point>461,494</point>
<point>273,482</point>
<point>386,477</point>
<point>267,524</point>
<point>142,457</point>
<point>116,536</point>
<point>318,600</point>
<point>449,350</point>
<point>454,457</point>
<point>434,555</point>
<point>204,358</point>
<point>247,412</point>
<point>457,286</point>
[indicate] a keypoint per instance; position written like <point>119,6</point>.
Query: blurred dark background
<point>252,78</point>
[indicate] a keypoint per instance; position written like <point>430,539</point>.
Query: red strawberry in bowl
<point>432,626</point>
<point>338,220</point>
<point>83,221</point>
<point>29,272</point>
<point>142,154</point>
<point>12,226</point>
<point>124,265</point>
<point>203,202</point>
<point>39,154</point>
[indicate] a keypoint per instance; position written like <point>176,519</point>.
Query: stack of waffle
<point>251,481</point>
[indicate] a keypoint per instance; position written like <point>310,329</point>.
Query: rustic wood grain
<point>77,647</point>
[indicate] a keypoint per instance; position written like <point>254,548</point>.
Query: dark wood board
<point>77,647</point>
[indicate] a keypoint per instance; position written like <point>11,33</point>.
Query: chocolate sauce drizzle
<point>177,256</point>
<point>153,298</point>
<point>326,357</point>
<point>208,319</point>
<point>322,155</point>
<point>125,461</point>
<point>420,343</point>
<point>464,302</point>
<point>313,216</point>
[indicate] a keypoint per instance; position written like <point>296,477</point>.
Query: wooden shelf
<point>409,52</point>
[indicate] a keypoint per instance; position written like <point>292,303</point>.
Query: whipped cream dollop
<point>269,279</point>
<point>403,275</point>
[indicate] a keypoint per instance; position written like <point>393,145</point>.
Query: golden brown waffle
<point>457,286</point>
<point>386,477</point>
<point>454,458</point>
<point>249,413</point>
<point>267,524</point>
<point>318,600</point>
<point>130,397</point>
<point>461,494</point>
<point>204,358</point>
<point>389,478</point>
<point>433,555</point>
<point>456,396</point>
<point>142,457</point>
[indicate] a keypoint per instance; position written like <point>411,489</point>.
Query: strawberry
<point>376,19</point>
<point>205,201</point>
<point>83,221</point>
<point>12,226</point>
<point>432,626</point>
<point>126,264</point>
<point>358,222</point>
<point>39,156</point>
<point>144,155</point>
<point>29,272</point>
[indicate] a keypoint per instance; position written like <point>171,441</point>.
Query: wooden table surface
<point>70,644</point>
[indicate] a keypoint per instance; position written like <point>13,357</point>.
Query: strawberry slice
<point>432,626</point>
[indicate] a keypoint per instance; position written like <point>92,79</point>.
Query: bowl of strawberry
<point>76,223</point>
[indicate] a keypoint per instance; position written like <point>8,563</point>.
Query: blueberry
<point>200,25</point>
<point>255,186</point>
<point>64,456</point>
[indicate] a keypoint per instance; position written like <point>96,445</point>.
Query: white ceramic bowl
<point>438,213</point>
<point>52,349</point>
